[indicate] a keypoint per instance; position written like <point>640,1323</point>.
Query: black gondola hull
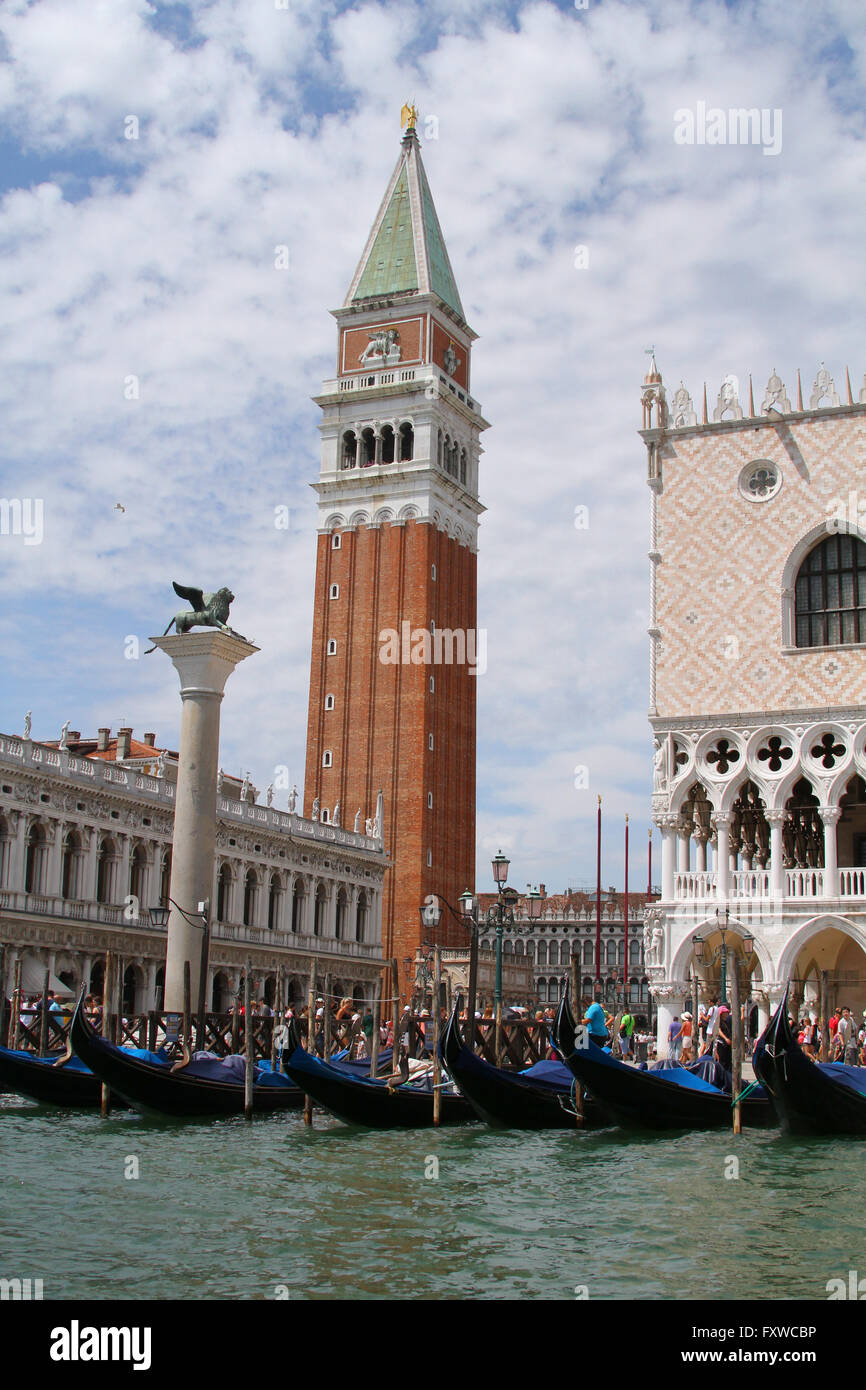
<point>508,1100</point>
<point>644,1100</point>
<point>372,1103</point>
<point>26,1075</point>
<point>807,1098</point>
<point>154,1089</point>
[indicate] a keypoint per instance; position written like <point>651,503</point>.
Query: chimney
<point>150,740</point>
<point>102,740</point>
<point>124,738</point>
<point>74,736</point>
<point>542,890</point>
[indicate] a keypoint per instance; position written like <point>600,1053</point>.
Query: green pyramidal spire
<point>405,251</point>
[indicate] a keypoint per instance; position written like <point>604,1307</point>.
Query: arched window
<point>71,870</point>
<point>329,702</point>
<point>251,888</point>
<point>350,449</point>
<point>407,443</point>
<point>332,647</point>
<point>830,594</point>
<point>588,952</point>
<point>298,895</point>
<point>165,875</point>
<point>6,842</point>
<point>275,895</point>
<point>388,443</point>
<point>342,914</point>
<point>321,909</point>
<point>106,866</point>
<point>463,465</point>
<point>224,893</point>
<point>611,952</point>
<point>367,448</point>
<point>138,873</point>
<point>542,953</point>
<point>361,917</point>
<point>36,860</point>
<point>634,952</point>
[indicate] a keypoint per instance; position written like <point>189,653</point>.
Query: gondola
<point>542,1097</point>
<point>674,1098</point>
<point>809,1097</point>
<point>206,1086</point>
<point>58,1080</point>
<point>373,1101</point>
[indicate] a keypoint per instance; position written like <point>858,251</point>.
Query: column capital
<point>721,820</point>
<point>670,989</point>
<point>668,820</point>
<point>776,818</point>
<point>204,660</point>
<point>830,815</point>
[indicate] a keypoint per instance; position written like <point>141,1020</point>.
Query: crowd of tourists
<point>846,1036</point>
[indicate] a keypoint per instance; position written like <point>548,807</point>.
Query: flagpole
<point>598,901</point>
<point>649,871</point>
<point>625,917</point>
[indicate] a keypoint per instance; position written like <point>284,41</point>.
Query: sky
<point>153,156</point>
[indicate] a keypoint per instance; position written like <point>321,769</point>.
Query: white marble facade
<point>85,852</point>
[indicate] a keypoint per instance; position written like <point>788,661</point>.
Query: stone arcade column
<point>204,661</point>
<point>831,816</point>
<point>776,821</point>
<point>670,997</point>
<point>722,822</point>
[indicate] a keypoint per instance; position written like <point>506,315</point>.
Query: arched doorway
<point>829,965</point>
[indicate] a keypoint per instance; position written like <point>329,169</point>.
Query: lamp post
<point>159,918</point>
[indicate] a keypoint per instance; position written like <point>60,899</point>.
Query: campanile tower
<point>396,652</point>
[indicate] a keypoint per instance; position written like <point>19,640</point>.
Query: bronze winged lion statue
<point>208,610</point>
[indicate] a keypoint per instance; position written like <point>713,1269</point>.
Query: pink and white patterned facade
<point>758,686</point>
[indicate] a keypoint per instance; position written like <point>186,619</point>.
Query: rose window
<point>760,481</point>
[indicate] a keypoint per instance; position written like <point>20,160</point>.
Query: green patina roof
<point>441,279</point>
<point>391,265</point>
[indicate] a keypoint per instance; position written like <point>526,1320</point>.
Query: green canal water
<point>227,1210</point>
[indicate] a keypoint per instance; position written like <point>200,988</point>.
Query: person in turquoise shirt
<point>596,1021</point>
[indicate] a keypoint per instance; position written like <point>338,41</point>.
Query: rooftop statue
<point>208,610</point>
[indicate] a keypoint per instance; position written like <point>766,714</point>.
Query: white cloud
<point>267,127</point>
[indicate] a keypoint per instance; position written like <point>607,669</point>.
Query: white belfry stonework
<point>759,756</point>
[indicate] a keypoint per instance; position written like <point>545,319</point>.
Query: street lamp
<point>722,952</point>
<point>159,918</point>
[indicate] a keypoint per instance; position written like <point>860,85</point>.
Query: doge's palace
<point>757,676</point>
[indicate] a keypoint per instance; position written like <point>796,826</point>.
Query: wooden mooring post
<point>311,1037</point>
<point>437,1065</point>
<point>43,1019</point>
<point>105,1093</point>
<point>187,1006</point>
<point>248,1044</point>
<point>15,1020</point>
<point>377,1023</point>
<point>736,1045</point>
<point>577,1089</point>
